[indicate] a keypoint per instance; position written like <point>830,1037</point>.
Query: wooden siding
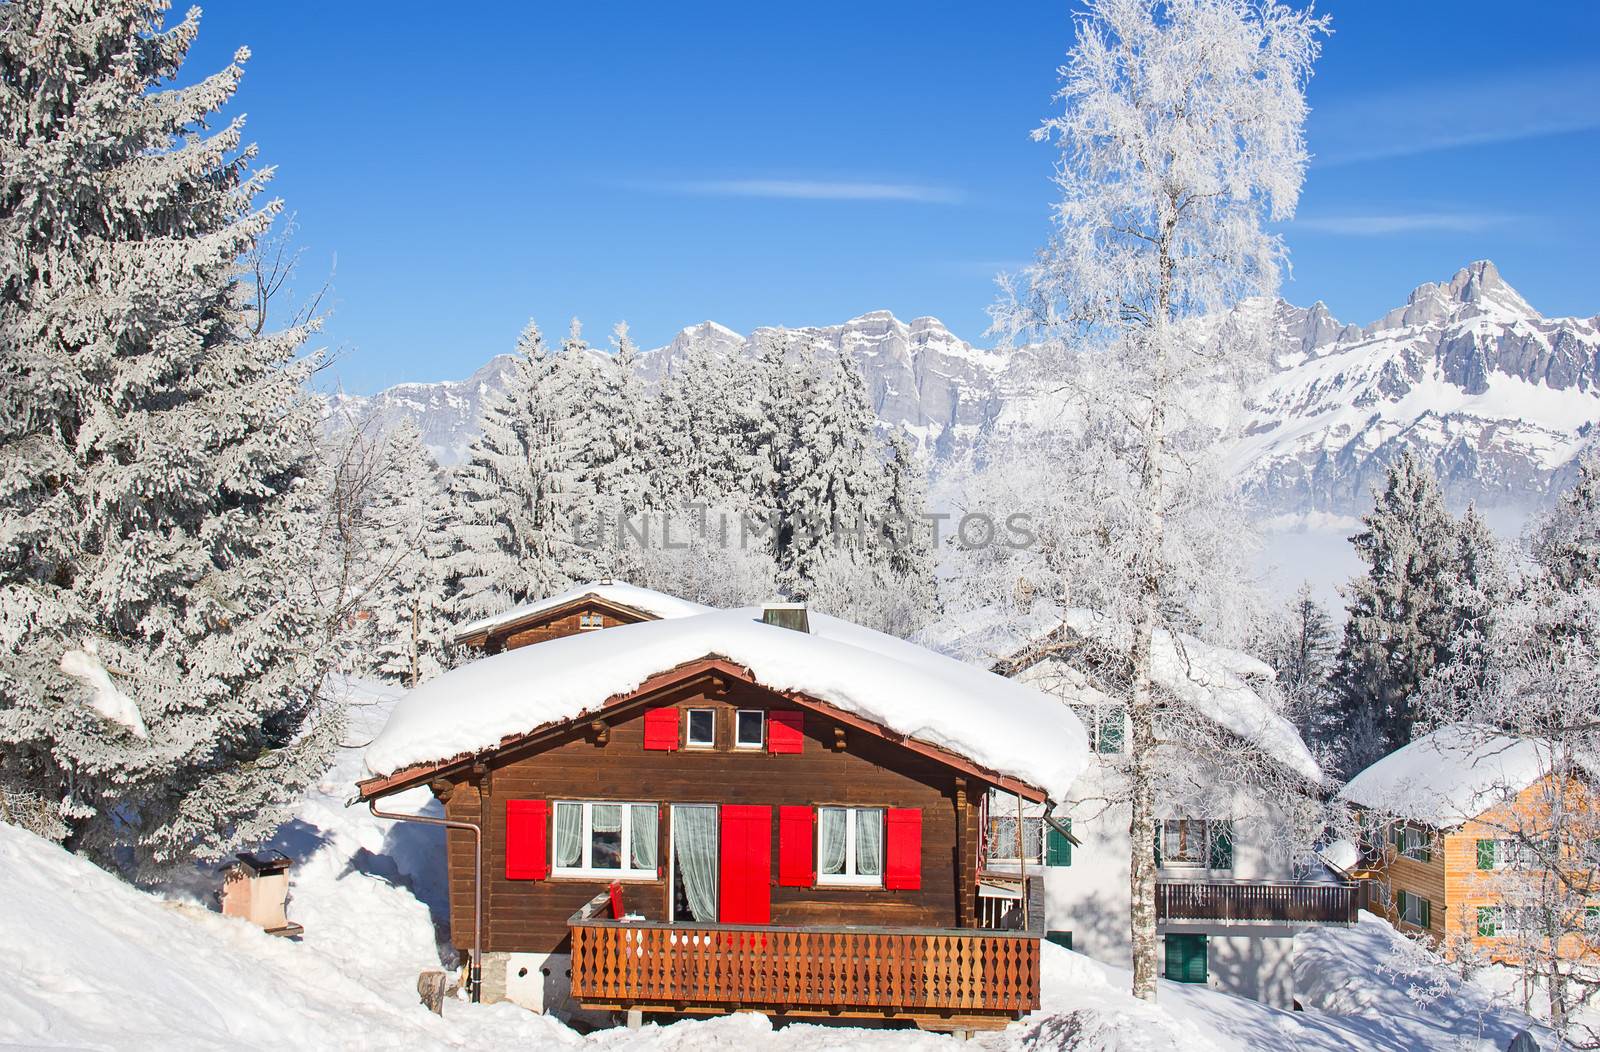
<point>1468,887</point>
<point>532,916</point>
<point>1424,879</point>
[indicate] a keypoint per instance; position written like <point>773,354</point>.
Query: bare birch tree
<point>1181,137</point>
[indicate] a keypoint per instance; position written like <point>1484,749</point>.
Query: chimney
<point>786,615</point>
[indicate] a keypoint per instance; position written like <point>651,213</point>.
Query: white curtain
<point>607,818</point>
<point>869,843</point>
<point>643,846</point>
<point>694,839</point>
<point>831,821</point>
<point>569,834</point>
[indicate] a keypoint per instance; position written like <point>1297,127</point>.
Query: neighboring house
<point>1229,897</point>
<point>1449,829</point>
<point>712,812</point>
<point>599,604</point>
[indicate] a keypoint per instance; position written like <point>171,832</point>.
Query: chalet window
<point>587,621</point>
<point>1413,909</point>
<point>1413,843</point>
<point>1003,839</point>
<point>604,839</point>
<point>700,731</point>
<point>1506,853</point>
<point>749,729</point>
<point>1514,920</point>
<point>1195,843</point>
<point>850,846</point>
<point>1107,726</point>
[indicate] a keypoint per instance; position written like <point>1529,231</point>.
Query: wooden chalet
<point>713,838</point>
<point>599,604</point>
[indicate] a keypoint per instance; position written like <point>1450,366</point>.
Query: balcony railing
<point>1251,902</point>
<point>898,972</point>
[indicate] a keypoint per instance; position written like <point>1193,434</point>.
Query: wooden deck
<point>1250,902</point>
<point>943,977</point>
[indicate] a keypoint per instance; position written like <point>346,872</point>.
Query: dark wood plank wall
<point>531,916</point>
<point>554,628</point>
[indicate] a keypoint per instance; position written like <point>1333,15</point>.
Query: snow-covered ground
<point>88,962</point>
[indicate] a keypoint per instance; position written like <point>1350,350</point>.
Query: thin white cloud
<point>814,190</point>
<point>1401,223</point>
<point>1445,115</point>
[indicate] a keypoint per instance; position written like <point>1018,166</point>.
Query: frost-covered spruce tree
<point>704,433</point>
<point>155,448</point>
<point>1567,542</point>
<point>1400,618</point>
<point>1300,649</point>
<point>512,530</point>
<point>410,518</point>
<point>1181,137</point>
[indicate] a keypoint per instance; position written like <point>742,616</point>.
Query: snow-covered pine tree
<point>156,445</point>
<point>704,449</point>
<point>1400,620</point>
<point>1301,649</point>
<point>1567,542</point>
<point>410,517</point>
<point>512,529</point>
<point>1181,138</point>
<point>827,481</point>
<point>626,410</point>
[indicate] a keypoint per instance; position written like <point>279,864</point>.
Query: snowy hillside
<point>93,963</point>
<point>1496,396</point>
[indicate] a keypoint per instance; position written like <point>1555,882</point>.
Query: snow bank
<point>998,724</point>
<point>656,604</point>
<point>1215,681</point>
<point>1448,776</point>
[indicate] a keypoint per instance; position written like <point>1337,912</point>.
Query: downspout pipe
<point>475,966</point>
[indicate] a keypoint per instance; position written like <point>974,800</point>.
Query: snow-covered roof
<point>618,593</point>
<point>1215,681</point>
<point>1449,776</point>
<point>997,724</point>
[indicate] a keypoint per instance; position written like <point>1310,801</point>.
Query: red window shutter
<point>527,839</point>
<point>661,728</point>
<point>785,730</point>
<point>797,843</point>
<point>902,869</point>
<point>745,872</point>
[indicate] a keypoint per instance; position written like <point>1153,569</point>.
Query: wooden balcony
<point>943,978</point>
<point>1251,902</point>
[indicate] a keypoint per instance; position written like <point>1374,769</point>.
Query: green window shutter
<point>1060,938</point>
<point>1221,845</point>
<point>1158,843</point>
<point>1485,858</point>
<point>1186,958</point>
<point>1057,848</point>
<point>1112,720</point>
<point>1486,919</point>
<point>1425,846</point>
<point>1400,905</point>
<point>1424,912</point>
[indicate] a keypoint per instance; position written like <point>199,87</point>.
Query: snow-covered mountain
<point>919,375</point>
<point>1498,397</point>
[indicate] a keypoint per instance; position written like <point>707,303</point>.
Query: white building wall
<point>1090,897</point>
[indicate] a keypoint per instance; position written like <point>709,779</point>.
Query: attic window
<point>750,729</point>
<point>701,732</point>
<point>586,621</point>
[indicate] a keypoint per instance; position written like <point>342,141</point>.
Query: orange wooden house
<point>1451,831</point>
<point>709,812</point>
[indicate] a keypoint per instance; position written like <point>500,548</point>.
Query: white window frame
<point>1003,847</point>
<point>850,878</point>
<point>1412,899</point>
<point>1506,850</point>
<point>1170,861</point>
<point>688,723</point>
<point>739,743</point>
<point>585,868</point>
<point>1415,842</point>
<point>590,622</point>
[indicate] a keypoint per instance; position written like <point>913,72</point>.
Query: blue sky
<point>460,168</point>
